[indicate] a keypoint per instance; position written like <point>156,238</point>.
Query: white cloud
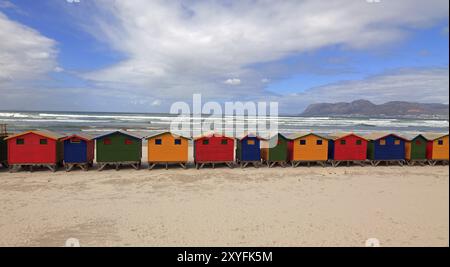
<point>58,69</point>
<point>25,54</point>
<point>175,48</point>
<point>6,4</point>
<point>233,81</point>
<point>156,103</point>
<point>178,48</point>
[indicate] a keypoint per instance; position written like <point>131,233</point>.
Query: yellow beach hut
<point>307,148</point>
<point>437,148</point>
<point>167,148</point>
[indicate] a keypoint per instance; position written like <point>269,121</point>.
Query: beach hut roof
<point>303,134</point>
<point>381,135</point>
<point>249,135</point>
<point>336,136</point>
<point>276,135</point>
<point>133,135</point>
<point>45,133</point>
<point>210,135</point>
<point>410,136</point>
<point>433,136</point>
<point>166,132</point>
<point>82,136</point>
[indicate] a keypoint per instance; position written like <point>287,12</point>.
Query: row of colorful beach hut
<point>44,148</point>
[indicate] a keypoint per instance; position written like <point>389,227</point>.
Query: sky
<point>142,56</point>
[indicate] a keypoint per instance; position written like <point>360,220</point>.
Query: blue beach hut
<point>78,151</point>
<point>386,148</point>
<point>248,150</point>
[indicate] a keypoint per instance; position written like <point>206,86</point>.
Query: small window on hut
<point>397,142</point>
<point>106,141</point>
<point>251,142</point>
<point>319,142</point>
<point>358,142</point>
<point>418,142</point>
<point>177,141</point>
<point>224,142</point>
<point>128,142</point>
<point>75,141</point>
<point>20,141</point>
<point>343,142</point>
<point>205,142</point>
<point>441,142</point>
<point>302,142</point>
<point>158,142</point>
<point>43,141</point>
<point>382,142</point>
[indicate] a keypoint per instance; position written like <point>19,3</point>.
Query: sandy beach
<point>316,206</point>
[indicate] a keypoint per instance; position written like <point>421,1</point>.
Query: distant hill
<point>367,108</point>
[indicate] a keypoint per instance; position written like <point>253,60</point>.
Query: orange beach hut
<point>308,147</point>
<point>167,148</point>
<point>437,148</point>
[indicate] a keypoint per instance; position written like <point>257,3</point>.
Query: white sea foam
<point>13,115</point>
<point>144,122</point>
<point>114,117</point>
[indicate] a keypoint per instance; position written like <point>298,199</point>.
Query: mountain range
<point>366,108</point>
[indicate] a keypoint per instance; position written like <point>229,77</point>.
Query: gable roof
<point>276,135</point>
<point>249,135</point>
<point>45,133</point>
<point>411,137</point>
<point>381,135</point>
<point>433,136</point>
<point>136,136</point>
<point>304,134</point>
<point>337,136</point>
<point>81,136</point>
<point>211,135</point>
<point>163,133</point>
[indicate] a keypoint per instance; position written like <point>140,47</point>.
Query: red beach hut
<point>35,148</point>
<point>347,147</point>
<point>213,149</point>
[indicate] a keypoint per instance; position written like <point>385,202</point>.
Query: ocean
<point>99,122</point>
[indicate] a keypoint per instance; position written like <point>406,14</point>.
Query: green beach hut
<point>275,150</point>
<point>118,148</point>
<point>416,150</point>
